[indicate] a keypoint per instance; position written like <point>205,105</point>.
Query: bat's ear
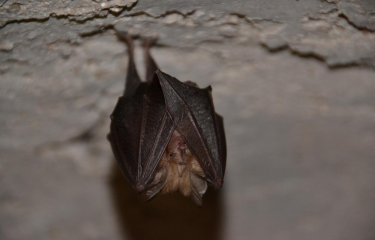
<point>209,88</point>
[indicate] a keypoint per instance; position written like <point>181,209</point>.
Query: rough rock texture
<point>80,11</point>
<point>294,80</point>
<point>360,13</point>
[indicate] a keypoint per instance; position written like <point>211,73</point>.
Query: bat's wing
<point>140,132</point>
<point>140,126</point>
<point>221,141</point>
<point>193,114</point>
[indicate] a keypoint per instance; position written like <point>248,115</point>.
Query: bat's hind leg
<point>150,63</point>
<point>132,79</point>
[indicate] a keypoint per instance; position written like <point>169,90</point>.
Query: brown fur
<point>177,167</point>
<point>181,181</point>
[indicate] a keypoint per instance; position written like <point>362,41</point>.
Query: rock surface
<point>294,80</point>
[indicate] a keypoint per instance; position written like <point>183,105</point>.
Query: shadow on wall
<point>169,216</point>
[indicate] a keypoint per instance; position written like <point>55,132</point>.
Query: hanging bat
<point>165,134</point>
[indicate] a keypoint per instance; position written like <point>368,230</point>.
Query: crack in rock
<point>318,30</point>
<point>326,37</point>
<point>327,31</point>
<point>23,11</point>
<point>162,15</point>
<point>187,29</point>
<point>361,14</point>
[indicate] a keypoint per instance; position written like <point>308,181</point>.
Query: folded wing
<point>140,131</point>
<point>193,114</point>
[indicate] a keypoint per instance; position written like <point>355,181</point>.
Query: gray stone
<point>361,13</point>
<point>16,11</point>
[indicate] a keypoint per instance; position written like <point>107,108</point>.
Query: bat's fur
<point>179,170</point>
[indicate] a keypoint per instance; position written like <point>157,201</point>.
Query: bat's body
<point>179,170</point>
<point>165,134</point>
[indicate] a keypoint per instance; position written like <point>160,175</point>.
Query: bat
<point>165,134</point>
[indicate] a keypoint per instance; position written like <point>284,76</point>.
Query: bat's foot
<point>126,37</point>
<point>123,35</point>
<point>148,42</point>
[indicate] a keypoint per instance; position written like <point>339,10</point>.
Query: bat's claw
<point>123,35</point>
<point>126,37</point>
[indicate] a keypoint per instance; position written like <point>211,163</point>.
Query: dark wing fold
<point>124,134</point>
<point>157,128</point>
<point>193,113</point>
<point>221,141</point>
<point>140,131</point>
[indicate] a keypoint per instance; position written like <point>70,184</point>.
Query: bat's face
<point>166,135</point>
